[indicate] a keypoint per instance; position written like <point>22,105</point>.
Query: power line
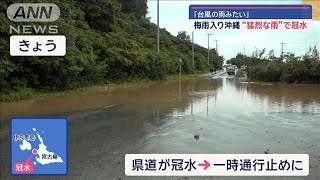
<point>302,42</point>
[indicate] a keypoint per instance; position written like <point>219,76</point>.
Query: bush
<point>239,74</point>
<point>267,71</point>
<point>295,71</point>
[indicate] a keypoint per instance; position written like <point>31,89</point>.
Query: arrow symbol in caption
<point>206,164</point>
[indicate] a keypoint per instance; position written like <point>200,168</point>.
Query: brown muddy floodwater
<point>230,117</point>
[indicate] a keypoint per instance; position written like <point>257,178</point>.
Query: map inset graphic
<point>39,146</point>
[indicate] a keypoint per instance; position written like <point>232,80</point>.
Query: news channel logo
<point>33,33</point>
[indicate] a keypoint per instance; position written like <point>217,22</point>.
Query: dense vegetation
<point>289,68</point>
<point>107,40</point>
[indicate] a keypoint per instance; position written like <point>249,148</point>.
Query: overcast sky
<point>174,16</point>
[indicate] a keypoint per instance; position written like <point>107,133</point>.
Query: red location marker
<point>206,164</point>
<point>34,151</point>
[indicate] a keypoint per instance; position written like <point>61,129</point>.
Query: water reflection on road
<point>230,117</point>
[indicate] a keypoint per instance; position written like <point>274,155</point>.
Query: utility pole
<point>209,48</point>
<point>180,66</point>
<point>193,50</point>
<point>216,45</point>
<point>244,51</point>
<point>282,45</point>
<point>158,34</point>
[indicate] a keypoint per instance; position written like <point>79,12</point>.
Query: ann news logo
<point>33,12</point>
<point>32,35</point>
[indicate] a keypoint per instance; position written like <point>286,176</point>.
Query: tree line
<point>286,68</point>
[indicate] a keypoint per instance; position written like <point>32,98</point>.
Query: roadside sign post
<point>180,65</point>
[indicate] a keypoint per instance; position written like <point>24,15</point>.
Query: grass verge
<point>28,93</point>
<point>240,74</point>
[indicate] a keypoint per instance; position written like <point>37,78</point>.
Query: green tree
<point>138,7</point>
<point>183,35</point>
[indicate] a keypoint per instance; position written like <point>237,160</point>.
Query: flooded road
<point>228,115</point>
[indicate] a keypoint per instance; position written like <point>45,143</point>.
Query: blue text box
<point>253,11</point>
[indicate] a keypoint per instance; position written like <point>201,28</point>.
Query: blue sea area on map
<point>54,135</point>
